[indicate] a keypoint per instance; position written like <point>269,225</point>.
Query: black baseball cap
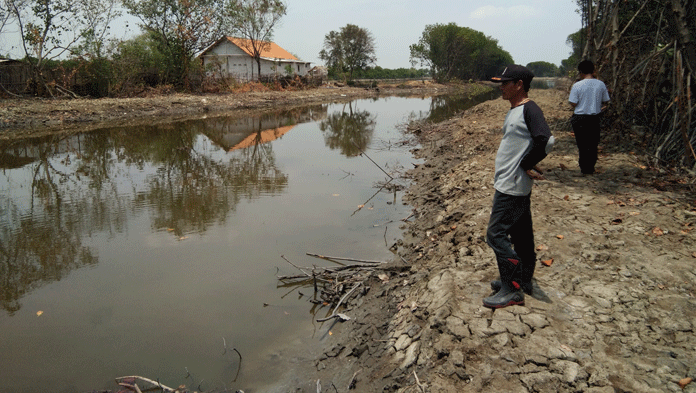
<point>514,72</point>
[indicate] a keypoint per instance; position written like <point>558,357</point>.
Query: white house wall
<point>235,63</point>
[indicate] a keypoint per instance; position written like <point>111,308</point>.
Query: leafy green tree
<point>180,28</point>
<point>576,43</point>
<point>332,53</point>
<point>255,20</point>
<point>137,62</point>
<point>350,49</point>
<point>543,68</point>
<point>458,52</point>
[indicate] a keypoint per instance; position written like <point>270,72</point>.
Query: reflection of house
<point>232,57</point>
<point>231,133</point>
<point>258,138</point>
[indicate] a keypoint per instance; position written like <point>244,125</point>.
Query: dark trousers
<point>511,237</point>
<point>586,128</point>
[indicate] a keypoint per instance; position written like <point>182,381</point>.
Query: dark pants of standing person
<point>511,237</point>
<point>586,129</point>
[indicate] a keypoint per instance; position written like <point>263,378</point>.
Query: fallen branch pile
<point>334,285</point>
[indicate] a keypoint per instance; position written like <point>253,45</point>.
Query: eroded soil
<point>614,310</point>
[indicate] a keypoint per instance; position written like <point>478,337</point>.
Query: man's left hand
<point>535,173</point>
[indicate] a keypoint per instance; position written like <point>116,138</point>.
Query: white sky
<point>530,30</point>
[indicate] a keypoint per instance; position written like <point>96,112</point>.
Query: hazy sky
<point>530,30</point>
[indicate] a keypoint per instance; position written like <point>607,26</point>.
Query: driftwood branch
<point>351,384</point>
<point>373,195</point>
<point>297,267</point>
<point>333,313</point>
<point>368,157</point>
<point>330,258</point>
<point>126,382</point>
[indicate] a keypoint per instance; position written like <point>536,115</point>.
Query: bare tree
<point>646,54</point>
<point>50,29</point>
<point>5,14</point>
<point>255,20</point>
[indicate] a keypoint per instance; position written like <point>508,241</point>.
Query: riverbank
<point>31,117</point>
<point>613,309</point>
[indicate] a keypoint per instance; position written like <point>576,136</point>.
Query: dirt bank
<point>614,310</point>
<point>38,116</point>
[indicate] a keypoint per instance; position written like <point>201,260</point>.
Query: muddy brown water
<point>154,251</point>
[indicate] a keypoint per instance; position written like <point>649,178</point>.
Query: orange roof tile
<point>273,52</point>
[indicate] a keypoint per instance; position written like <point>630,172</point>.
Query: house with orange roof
<point>231,57</point>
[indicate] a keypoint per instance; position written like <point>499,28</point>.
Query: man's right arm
<point>573,97</point>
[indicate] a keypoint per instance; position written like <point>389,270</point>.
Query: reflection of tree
<point>258,167</point>
<point>42,242</point>
<point>445,106</point>
<point>349,130</point>
<point>86,183</point>
<point>36,253</point>
<point>191,190</point>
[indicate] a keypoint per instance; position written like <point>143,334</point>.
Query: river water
<point>154,251</point>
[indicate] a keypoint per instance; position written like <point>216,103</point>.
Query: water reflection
<point>56,190</point>
<point>39,249</point>
<point>444,107</point>
<point>183,241</point>
<point>349,130</point>
<point>40,238</point>
<point>238,133</point>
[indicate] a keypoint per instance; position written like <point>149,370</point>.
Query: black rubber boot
<point>526,274</point>
<point>506,296</point>
<point>527,287</point>
<point>509,293</point>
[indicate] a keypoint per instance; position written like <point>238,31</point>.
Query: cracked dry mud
<point>614,312</point>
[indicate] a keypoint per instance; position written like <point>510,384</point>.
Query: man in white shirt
<point>588,96</point>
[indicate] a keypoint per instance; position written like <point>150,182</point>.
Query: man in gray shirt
<point>510,233</point>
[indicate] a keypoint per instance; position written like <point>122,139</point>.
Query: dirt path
<point>614,312</point>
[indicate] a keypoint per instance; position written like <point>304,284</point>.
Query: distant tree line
<point>544,69</point>
<point>378,72</point>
